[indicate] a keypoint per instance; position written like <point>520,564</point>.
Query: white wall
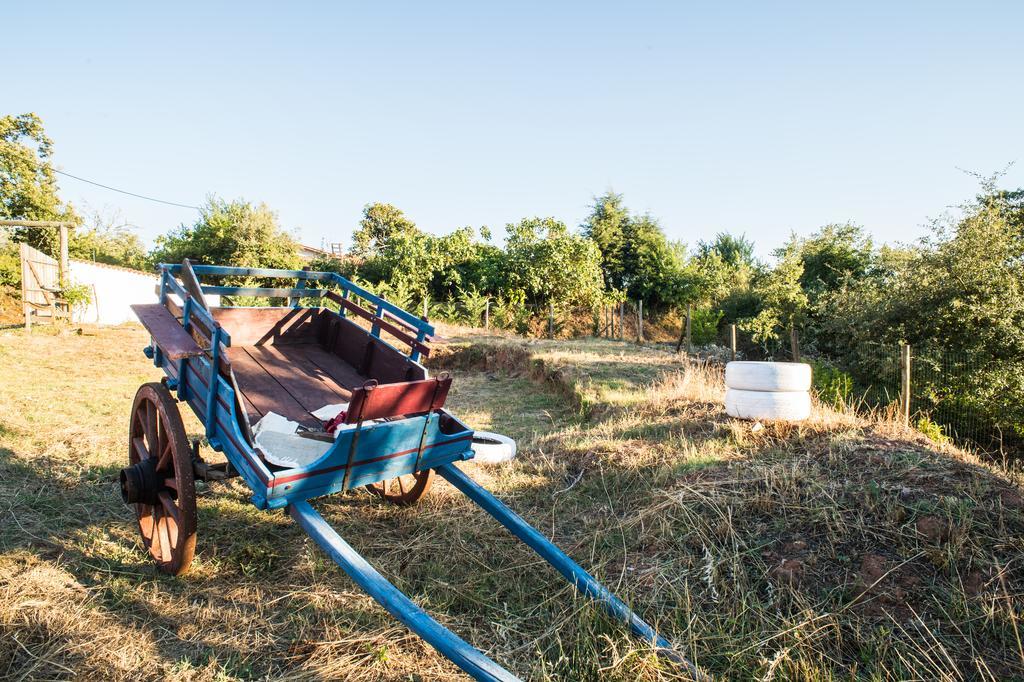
<point>114,290</point>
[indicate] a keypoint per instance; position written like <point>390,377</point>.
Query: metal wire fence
<point>973,400</point>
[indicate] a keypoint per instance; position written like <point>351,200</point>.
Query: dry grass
<point>839,548</point>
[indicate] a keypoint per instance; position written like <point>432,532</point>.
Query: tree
<point>651,264</point>
<point>230,233</point>
<point>406,260</point>
<point>734,252</point>
<point>401,257</point>
<point>729,270</point>
<point>833,255</point>
<point>397,254</point>
<point>109,239</point>
<point>550,264</point>
<point>607,226</point>
<point>958,294</point>
<point>1010,203</point>
<point>782,299</point>
<point>636,257</point>
<point>464,262</point>
<point>380,224</point>
<point>28,186</point>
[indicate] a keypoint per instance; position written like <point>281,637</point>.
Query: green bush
<point>473,304</point>
<point>346,267</point>
<point>831,384</point>
<point>10,265</point>
<point>77,296</point>
<point>931,430</point>
<point>510,312</point>
<point>704,326</point>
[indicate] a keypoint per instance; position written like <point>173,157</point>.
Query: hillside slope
<point>836,548</point>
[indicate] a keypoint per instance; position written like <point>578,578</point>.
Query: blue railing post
<point>341,309</point>
<point>211,397</point>
<point>415,354</point>
<point>186,313</point>
<point>186,323</point>
<point>293,301</point>
<point>375,330</point>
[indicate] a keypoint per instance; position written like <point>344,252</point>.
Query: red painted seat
<point>373,401</point>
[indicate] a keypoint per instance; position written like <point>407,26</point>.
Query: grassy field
<point>838,549</point>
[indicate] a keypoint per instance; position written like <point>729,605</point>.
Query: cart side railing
<point>202,379</point>
<point>217,337</point>
<point>382,314</point>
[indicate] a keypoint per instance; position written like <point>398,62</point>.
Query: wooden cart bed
<point>293,381</point>
<point>293,361</point>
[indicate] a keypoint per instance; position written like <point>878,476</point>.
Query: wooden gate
<point>40,284</point>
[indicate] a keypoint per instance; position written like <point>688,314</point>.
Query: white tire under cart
<point>492,448</point>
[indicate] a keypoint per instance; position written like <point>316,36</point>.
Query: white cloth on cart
<point>277,439</point>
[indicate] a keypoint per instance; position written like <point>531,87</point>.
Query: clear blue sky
<point>761,118</point>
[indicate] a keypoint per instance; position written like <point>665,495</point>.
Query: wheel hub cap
<point>140,483</point>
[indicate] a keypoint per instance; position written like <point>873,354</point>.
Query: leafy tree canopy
<point>550,264</point>
<point>380,224</point>
<point>831,256</point>
<point>28,186</point>
<point>109,239</point>
<point>230,233</point>
<point>636,257</point>
<point>607,225</point>
<point>959,291</point>
<point>734,252</point>
<point>782,299</point>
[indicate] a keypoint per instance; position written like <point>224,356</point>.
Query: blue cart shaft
<point>391,598</point>
<point>580,579</point>
<point>469,659</point>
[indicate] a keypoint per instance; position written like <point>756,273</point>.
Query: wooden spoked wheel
<point>159,481</point>
<point>404,490</point>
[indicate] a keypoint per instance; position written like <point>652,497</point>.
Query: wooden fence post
<point>682,335</point>
<point>732,340</point>
<point>487,314</point>
<point>689,328</point>
<point>622,321</point>
<point>794,343</point>
<point>551,319</point>
<point>64,276</point>
<point>639,320</point>
<point>905,383</point>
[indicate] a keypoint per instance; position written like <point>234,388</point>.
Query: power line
<point>91,182</point>
<point>132,194</point>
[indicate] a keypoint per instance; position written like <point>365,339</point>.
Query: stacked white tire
<point>768,391</point>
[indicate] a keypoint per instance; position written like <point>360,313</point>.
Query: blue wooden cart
<point>234,365</point>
